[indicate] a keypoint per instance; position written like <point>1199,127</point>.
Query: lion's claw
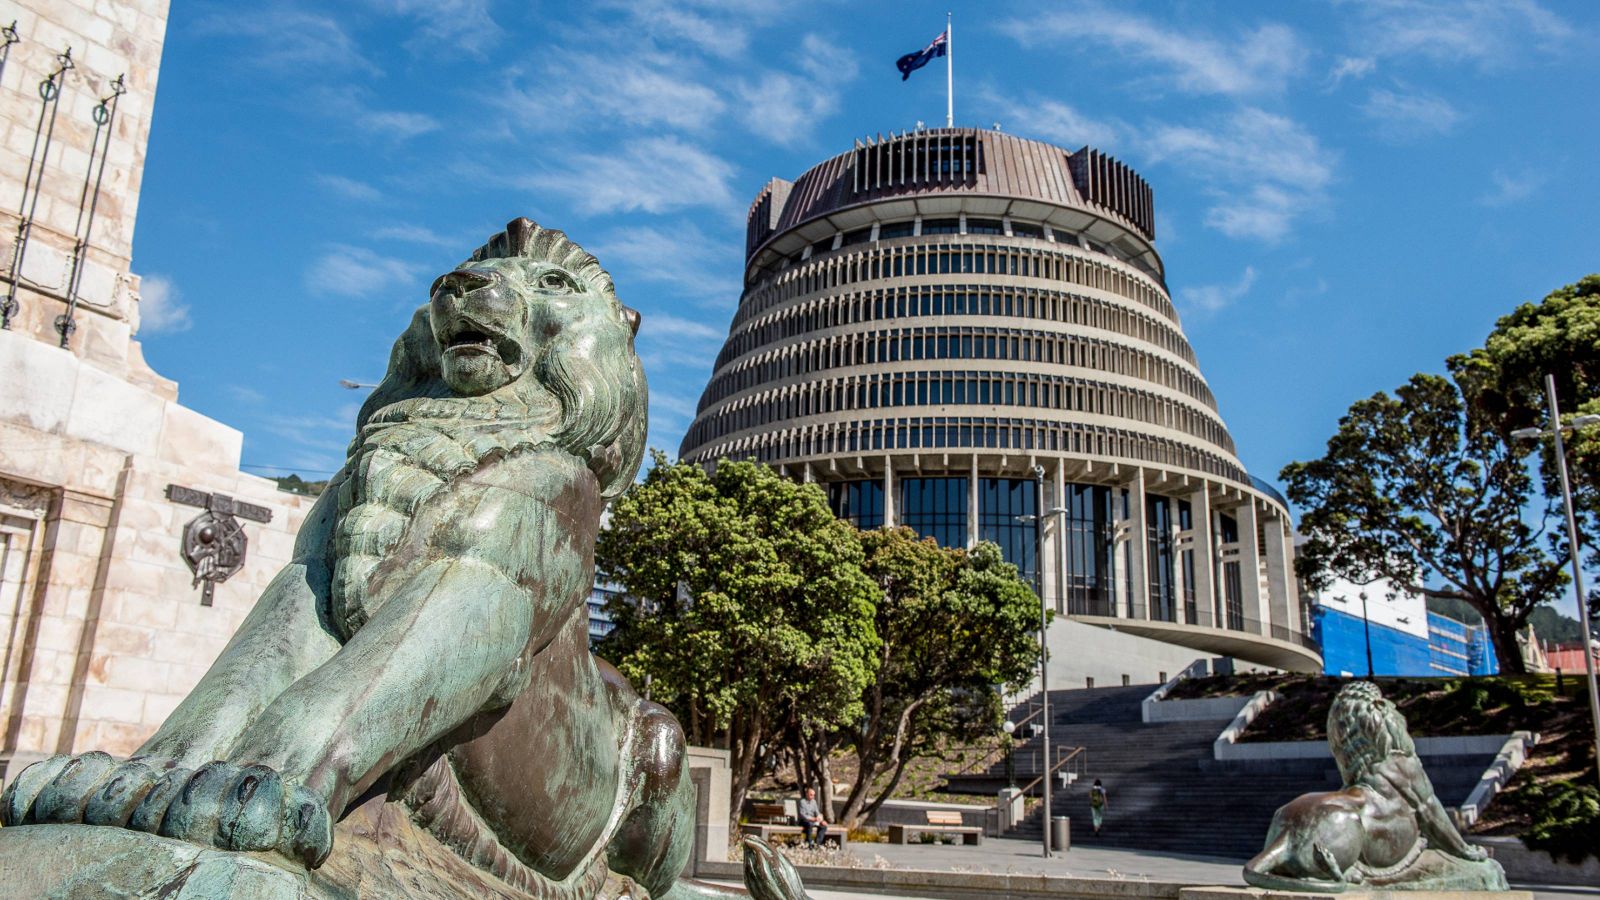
<point>16,803</point>
<point>120,794</point>
<point>62,800</point>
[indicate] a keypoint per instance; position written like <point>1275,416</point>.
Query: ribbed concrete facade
<point>932,315</point>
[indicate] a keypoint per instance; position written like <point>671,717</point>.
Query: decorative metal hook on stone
<point>43,134</point>
<point>9,33</point>
<point>104,114</point>
<point>214,542</point>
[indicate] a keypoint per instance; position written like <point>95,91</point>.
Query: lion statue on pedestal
<point>1384,829</point>
<point>424,659</point>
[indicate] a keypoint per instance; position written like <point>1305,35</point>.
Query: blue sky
<point>1346,192</point>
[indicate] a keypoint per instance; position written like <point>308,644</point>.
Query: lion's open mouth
<point>470,339</point>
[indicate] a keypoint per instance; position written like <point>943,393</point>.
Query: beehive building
<point>932,317</point>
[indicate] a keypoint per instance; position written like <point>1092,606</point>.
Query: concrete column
<point>1250,569</point>
<point>1205,556</point>
<point>1138,548</point>
<point>1281,599</point>
<point>972,504</point>
<point>888,493</point>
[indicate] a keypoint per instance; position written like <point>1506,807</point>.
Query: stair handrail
<point>1071,754</point>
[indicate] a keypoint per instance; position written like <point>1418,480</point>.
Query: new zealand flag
<point>914,61</point>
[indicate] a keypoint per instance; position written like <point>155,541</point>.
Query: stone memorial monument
<point>411,709</point>
<point>1384,829</point>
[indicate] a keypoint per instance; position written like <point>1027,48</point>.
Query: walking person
<point>1097,804</point>
<point>813,827</point>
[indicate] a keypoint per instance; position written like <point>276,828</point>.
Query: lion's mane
<point>583,393</point>
<point>1365,728</point>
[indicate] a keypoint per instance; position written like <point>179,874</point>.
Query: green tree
<point>745,604</point>
<point>954,625</point>
<point>1504,383</point>
<point>1417,489</point>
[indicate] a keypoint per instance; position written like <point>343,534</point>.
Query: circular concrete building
<point>931,316</point>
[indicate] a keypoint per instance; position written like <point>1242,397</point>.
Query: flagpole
<point>949,75</point>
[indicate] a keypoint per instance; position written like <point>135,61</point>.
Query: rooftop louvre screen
<point>918,158</point>
<point>1109,184</point>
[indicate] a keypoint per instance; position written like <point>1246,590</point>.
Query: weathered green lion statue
<point>1385,828</point>
<point>420,672</point>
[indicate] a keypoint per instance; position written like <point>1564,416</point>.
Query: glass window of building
<point>859,236</point>
<point>1191,609</point>
<point>936,508</point>
<point>941,226</point>
<point>858,502</point>
<point>1087,525</point>
<point>1001,504</point>
<point>1022,229</point>
<point>984,226</point>
<point>1062,237</point>
<point>1158,559</point>
<point>1230,593</point>
<point>895,230</point>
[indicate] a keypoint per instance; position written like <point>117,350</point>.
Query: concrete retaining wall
<point>947,885</point>
<point>1219,709</point>
<point>1459,745</point>
<point>1536,866</point>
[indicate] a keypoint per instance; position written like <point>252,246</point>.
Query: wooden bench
<point>766,830</point>
<point>769,813</point>
<point>939,822</point>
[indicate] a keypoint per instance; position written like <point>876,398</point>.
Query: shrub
<point>1566,821</point>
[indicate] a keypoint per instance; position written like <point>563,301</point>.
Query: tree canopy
<point>1418,488</point>
<point>1504,383</point>
<point>954,626</point>
<point>744,601</point>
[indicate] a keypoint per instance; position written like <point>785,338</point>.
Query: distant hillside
<point>1550,624</point>
<point>294,484</point>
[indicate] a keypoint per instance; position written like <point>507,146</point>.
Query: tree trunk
<point>1507,652</point>
<point>888,789</point>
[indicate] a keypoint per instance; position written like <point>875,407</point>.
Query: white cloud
<point>1354,68</point>
<point>1264,170</point>
<point>357,272</point>
<point>447,26</point>
<point>1409,115</point>
<point>654,175</point>
<point>414,234</point>
<point>784,107</point>
<point>1050,120</point>
<point>287,39</point>
<point>666,325</point>
<point>677,255</point>
<point>161,309</point>
<point>350,188</point>
<point>248,395</point>
<point>1489,33</point>
<point>587,90</point>
<point>1210,298</point>
<point>1252,61</point>
<point>1511,187</point>
<point>351,107</point>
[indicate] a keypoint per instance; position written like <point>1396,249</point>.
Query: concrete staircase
<point>1165,792</point>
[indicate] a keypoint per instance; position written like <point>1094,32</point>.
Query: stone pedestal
<point>378,855</point>
<point>1009,802</point>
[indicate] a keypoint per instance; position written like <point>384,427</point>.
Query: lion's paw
<point>238,808</point>
<point>767,875</point>
<point>219,804</point>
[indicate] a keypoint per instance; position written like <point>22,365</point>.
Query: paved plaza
<point>1008,856</point>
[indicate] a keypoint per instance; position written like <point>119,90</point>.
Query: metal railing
<point>1076,757</point>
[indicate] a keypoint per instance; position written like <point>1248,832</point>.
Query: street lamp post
<point>1011,772</point>
<point>1554,431</point>
<point>1366,626</point>
<point>1044,624</point>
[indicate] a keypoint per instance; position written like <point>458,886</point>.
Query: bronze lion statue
<point>1384,828</point>
<point>428,645</point>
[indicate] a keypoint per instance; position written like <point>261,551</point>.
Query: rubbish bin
<point>1061,833</point>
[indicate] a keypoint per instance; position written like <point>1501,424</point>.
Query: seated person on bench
<point>813,827</point>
